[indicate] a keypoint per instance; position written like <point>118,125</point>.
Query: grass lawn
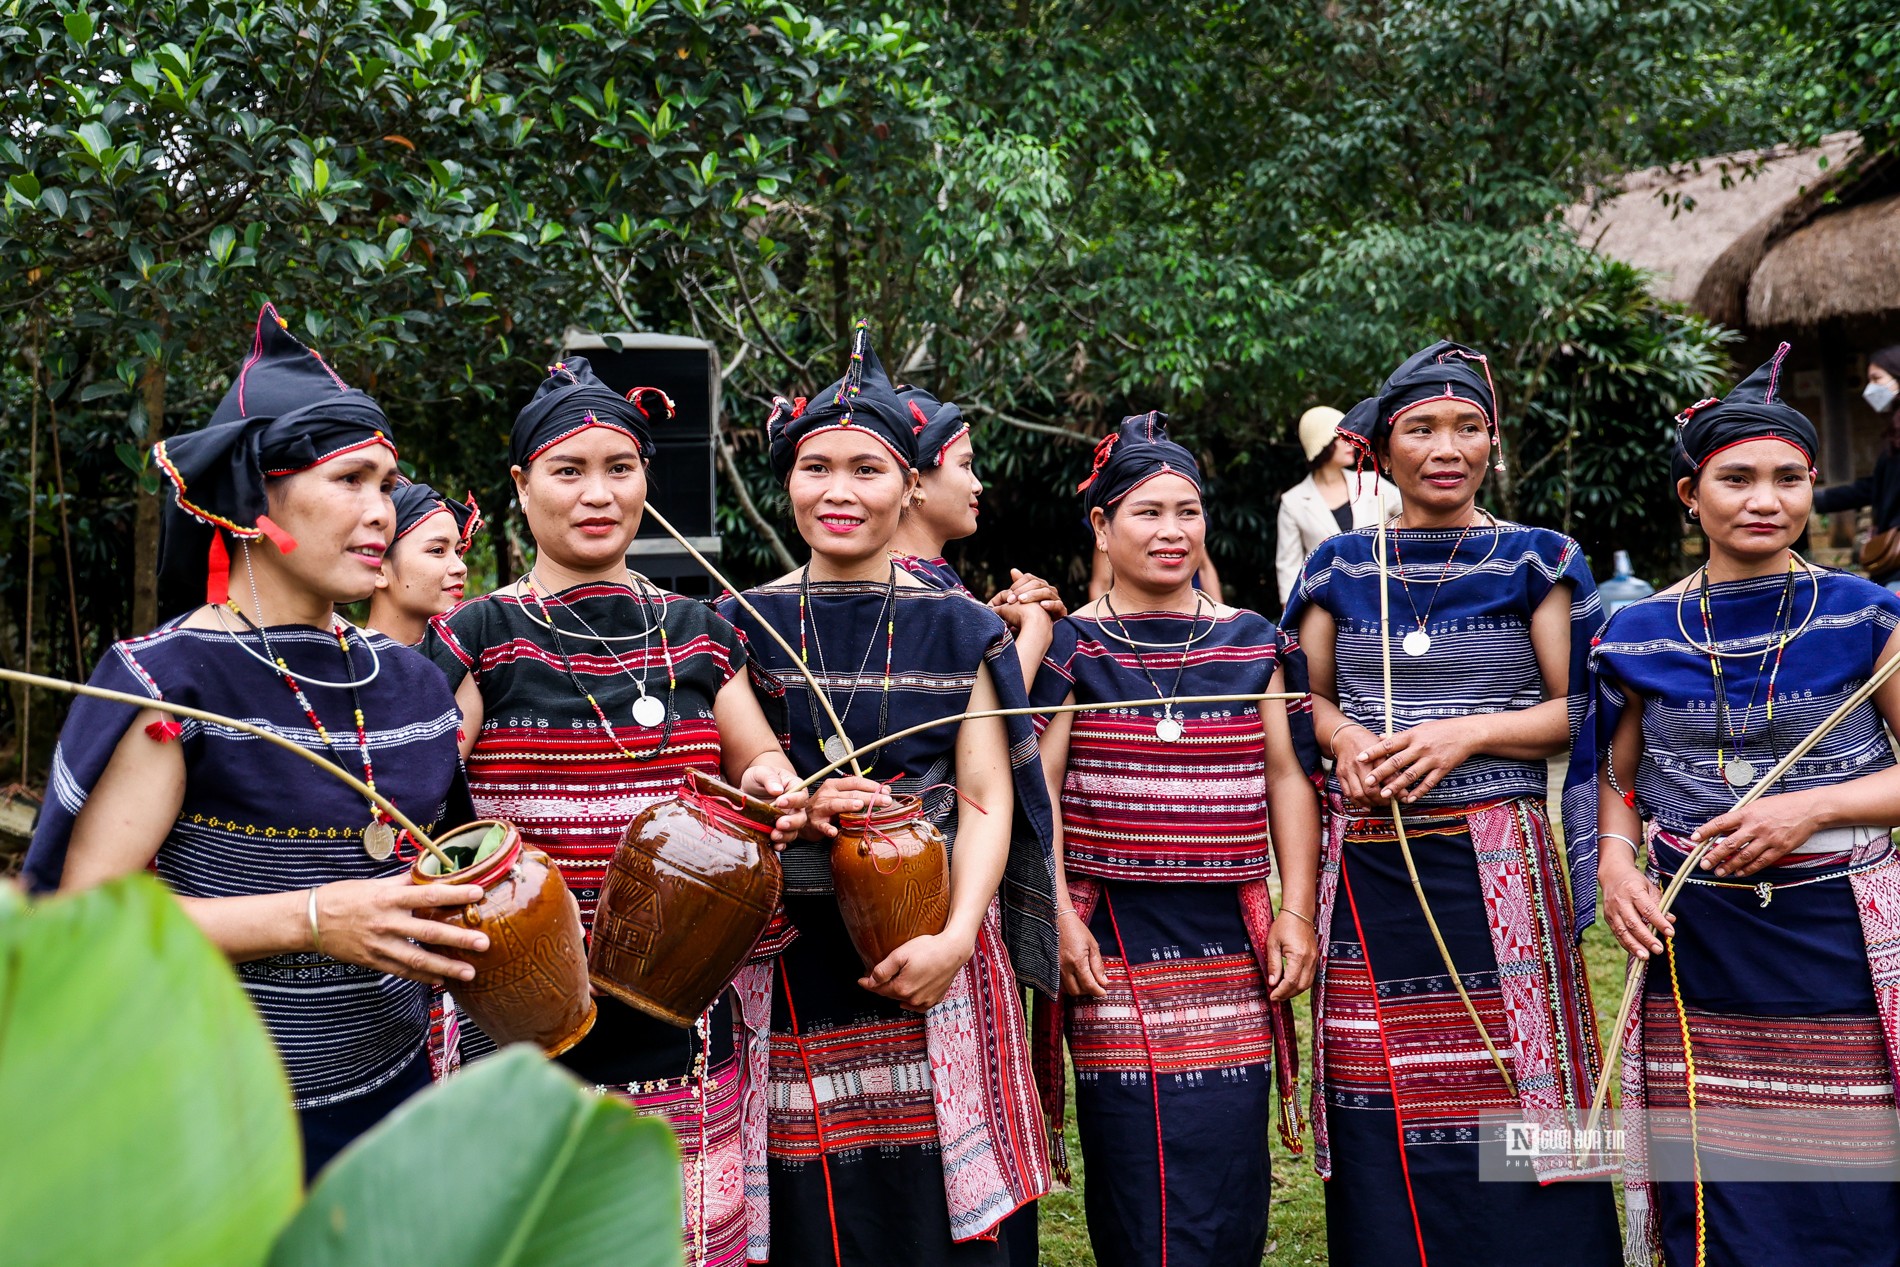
<point>1297,1231</point>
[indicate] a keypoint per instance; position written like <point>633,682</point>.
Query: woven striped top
<point>256,819</point>
<point>1134,806</point>
<point>542,761</point>
<point>1474,593</point>
<point>941,640</point>
<point>936,573</point>
<point>1643,650</point>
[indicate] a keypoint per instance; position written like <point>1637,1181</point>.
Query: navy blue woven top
<point>257,819</point>
<point>1643,649</point>
<point>942,639</point>
<point>1474,593</point>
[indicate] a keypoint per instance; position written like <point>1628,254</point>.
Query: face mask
<point>1878,396</point>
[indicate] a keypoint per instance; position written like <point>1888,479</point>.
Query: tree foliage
<point>1053,213</point>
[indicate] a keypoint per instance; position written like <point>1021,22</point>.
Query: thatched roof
<point>1844,263</point>
<point>1703,231</point>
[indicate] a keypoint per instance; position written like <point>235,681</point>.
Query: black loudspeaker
<point>680,482</point>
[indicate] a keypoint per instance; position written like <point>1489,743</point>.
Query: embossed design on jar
<point>688,893</point>
<point>531,983</point>
<point>890,869</point>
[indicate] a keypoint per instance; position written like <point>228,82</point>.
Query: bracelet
<point>1287,910</point>
<point>1636,850</point>
<point>1067,910</point>
<point>1332,740</point>
<point>316,933</point>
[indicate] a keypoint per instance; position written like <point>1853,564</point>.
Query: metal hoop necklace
<point>379,838</point>
<point>1701,574</point>
<point>1168,727</point>
<point>669,714</point>
<point>648,712</point>
<point>1419,641</point>
<point>644,637</point>
<point>838,747</point>
<point>1740,772</point>
<point>375,660</point>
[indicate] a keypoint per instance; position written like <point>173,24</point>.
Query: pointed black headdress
<point>287,412</point>
<point>1753,410</point>
<point>937,424</point>
<point>863,399</point>
<point>570,400</point>
<point>416,502</point>
<point>1443,371</point>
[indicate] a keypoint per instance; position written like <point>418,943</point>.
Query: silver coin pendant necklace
<point>1168,727</point>
<point>1417,641</point>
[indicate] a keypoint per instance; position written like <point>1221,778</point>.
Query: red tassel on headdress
<point>284,542</point>
<point>917,412</point>
<point>1103,448</point>
<point>798,406</point>
<point>217,571</point>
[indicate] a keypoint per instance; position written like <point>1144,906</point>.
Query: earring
<point>1695,516</point>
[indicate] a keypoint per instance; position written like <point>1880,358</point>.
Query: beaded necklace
<point>1419,641</point>
<point>1741,771</point>
<point>1168,727</point>
<point>670,714</point>
<point>838,747</point>
<point>379,838</point>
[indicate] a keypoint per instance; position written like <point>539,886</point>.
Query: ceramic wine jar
<point>531,983</point>
<point>688,893</point>
<point>891,872</point>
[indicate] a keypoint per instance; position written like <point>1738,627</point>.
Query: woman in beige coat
<point>1331,499</point>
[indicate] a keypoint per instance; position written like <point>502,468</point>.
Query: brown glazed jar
<point>891,872</point>
<point>530,984</point>
<point>688,893</point>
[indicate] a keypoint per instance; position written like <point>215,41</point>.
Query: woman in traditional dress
<point>1485,626</point>
<point>587,693</point>
<point>943,508</point>
<point>1758,1077</point>
<point>289,872</point>
<point>904,1127</point>
<point>1176,968</point>
<point>423,574</point>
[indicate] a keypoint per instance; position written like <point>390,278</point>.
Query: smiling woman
<point>1176,970</point>
<point>423,573</point>
<point>879,1149</point>
<point>943,508</point>
<point>587,694</point>
<point>290,874</point>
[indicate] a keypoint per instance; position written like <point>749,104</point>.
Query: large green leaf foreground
<point>147,1116</point>
<point>513,1164</point>
<point>148,1121</point>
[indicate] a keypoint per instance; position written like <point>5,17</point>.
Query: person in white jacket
<point>1333,498</point>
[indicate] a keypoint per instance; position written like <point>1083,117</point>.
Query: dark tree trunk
<point>145,526</point>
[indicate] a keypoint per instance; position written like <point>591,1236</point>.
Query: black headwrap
<point>1443,371</point>
<point>1753,410</point>
<point>938,424</point>
<point>569,401</point>
<point>863,398</point>
<point>1132,455</point>
<point>287,412</point>
<point>416,502</point>
<point>1357,427</point>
